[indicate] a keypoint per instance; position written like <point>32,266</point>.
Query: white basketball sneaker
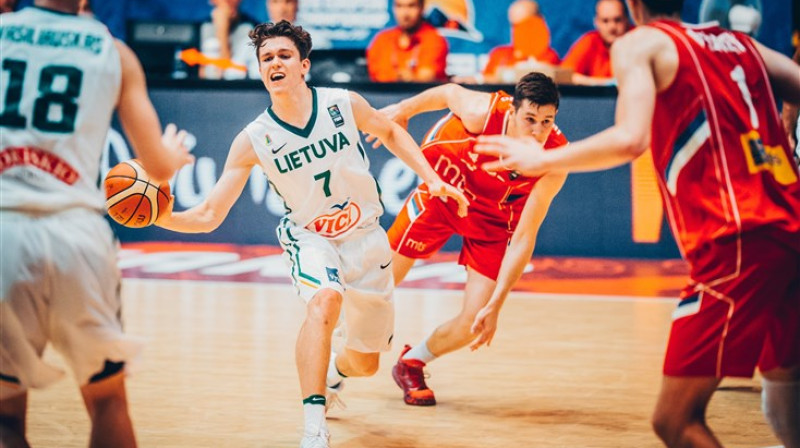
<point>332,398</point>
<point>321,440</point>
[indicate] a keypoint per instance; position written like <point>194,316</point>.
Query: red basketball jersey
<point>448,147</point>
<point>719,149</point>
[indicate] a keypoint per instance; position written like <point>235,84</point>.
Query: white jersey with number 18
<point>59,85</point>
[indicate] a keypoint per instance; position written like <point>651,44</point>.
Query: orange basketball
<point>131,198</point>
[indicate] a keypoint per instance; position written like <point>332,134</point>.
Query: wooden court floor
<point>565,370</point>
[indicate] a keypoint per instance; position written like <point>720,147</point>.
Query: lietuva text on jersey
<point>315,151</point>
<point>44,37</point>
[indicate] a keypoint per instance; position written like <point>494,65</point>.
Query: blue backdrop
<point>592,215</point>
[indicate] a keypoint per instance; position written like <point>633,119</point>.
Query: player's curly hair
<point>265,31</point>
<point>537,88</point>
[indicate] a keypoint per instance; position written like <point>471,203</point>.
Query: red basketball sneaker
<point>408,374</point>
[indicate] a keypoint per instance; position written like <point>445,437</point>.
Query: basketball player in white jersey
<point>62,77</point>
<point>307,143</point>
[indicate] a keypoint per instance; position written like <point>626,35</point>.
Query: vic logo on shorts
<point>340,221</point>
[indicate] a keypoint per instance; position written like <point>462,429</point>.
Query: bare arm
<point>789,112</point>
<point>784,74</point>
<point>402,145</point>
<point>210,213</point>
<point>518,253</point>
<point>630,135</point>
<point>221,18</point>
<point>470,106</point>
<point>159,157</point>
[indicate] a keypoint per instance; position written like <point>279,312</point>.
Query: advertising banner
<point>593,214</point>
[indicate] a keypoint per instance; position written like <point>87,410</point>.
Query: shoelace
<point>417,373</point>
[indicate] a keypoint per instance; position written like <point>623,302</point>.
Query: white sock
<point>420,352</point>
<point>334,377</point>
<point>780,402</point>
<point>314,415</point>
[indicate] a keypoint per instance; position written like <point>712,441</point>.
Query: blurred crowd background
<point>467,41</point>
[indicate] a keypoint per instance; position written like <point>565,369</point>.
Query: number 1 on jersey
<point>325,177</point>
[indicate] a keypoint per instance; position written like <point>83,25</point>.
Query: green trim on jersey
<point>306,131</point>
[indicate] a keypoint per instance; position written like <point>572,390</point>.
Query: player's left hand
<point>484,326</point>
<point>524,155</point>
<point>440,189</point>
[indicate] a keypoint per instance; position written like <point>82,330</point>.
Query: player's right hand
<point>484,326</point>
<point>524,155</point>
<point>174,140</point>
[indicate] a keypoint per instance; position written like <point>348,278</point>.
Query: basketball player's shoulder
<point>501,102</point>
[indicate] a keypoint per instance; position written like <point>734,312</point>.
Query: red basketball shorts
<point>728,326</point>
<point>425,224</point>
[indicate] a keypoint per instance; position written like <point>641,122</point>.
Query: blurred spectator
<point>529,40</point>
<point>745,19</point>
<point>590,56</point>
<point>7,5</point>
<point>278,10</point>
<point>413,51</point>
<point>226,38</point>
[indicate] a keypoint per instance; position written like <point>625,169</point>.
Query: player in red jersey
<point>506,209</point>
<point>702,98</point>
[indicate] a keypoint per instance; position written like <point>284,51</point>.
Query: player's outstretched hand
<point>441,189</point>
<point>524,155</point>
<point>174,141</point>
<point>484,326</point>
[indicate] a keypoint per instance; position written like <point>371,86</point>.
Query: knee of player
<point>368,366</point>
<point>325,305</point>
<point>661,425</point>
<point>667,426</point>
<point>465,320</point>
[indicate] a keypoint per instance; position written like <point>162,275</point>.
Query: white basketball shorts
<point>59,283</point>
<point>358,267</point>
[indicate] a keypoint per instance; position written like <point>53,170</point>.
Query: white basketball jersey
<point>321,171</point>
<point>59,85</point>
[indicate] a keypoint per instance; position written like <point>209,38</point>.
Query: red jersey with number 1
<point>723,161</point>
<point>496,197</point>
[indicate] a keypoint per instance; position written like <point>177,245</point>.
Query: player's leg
<point>312,351</point>
<point>780,367</point>
<point>312,355</point>
<point>84,323</point>
<point>368,308</point>
<point>780,401</point>
<point>23,312</point>
<point>452,335</point>
<point>455,333</point>
<point>315,269</point>
<point>679,419</point>
<point>12,417</point>
<point>107,404</point>
<point>720,331</point>
<point>401,264</point>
